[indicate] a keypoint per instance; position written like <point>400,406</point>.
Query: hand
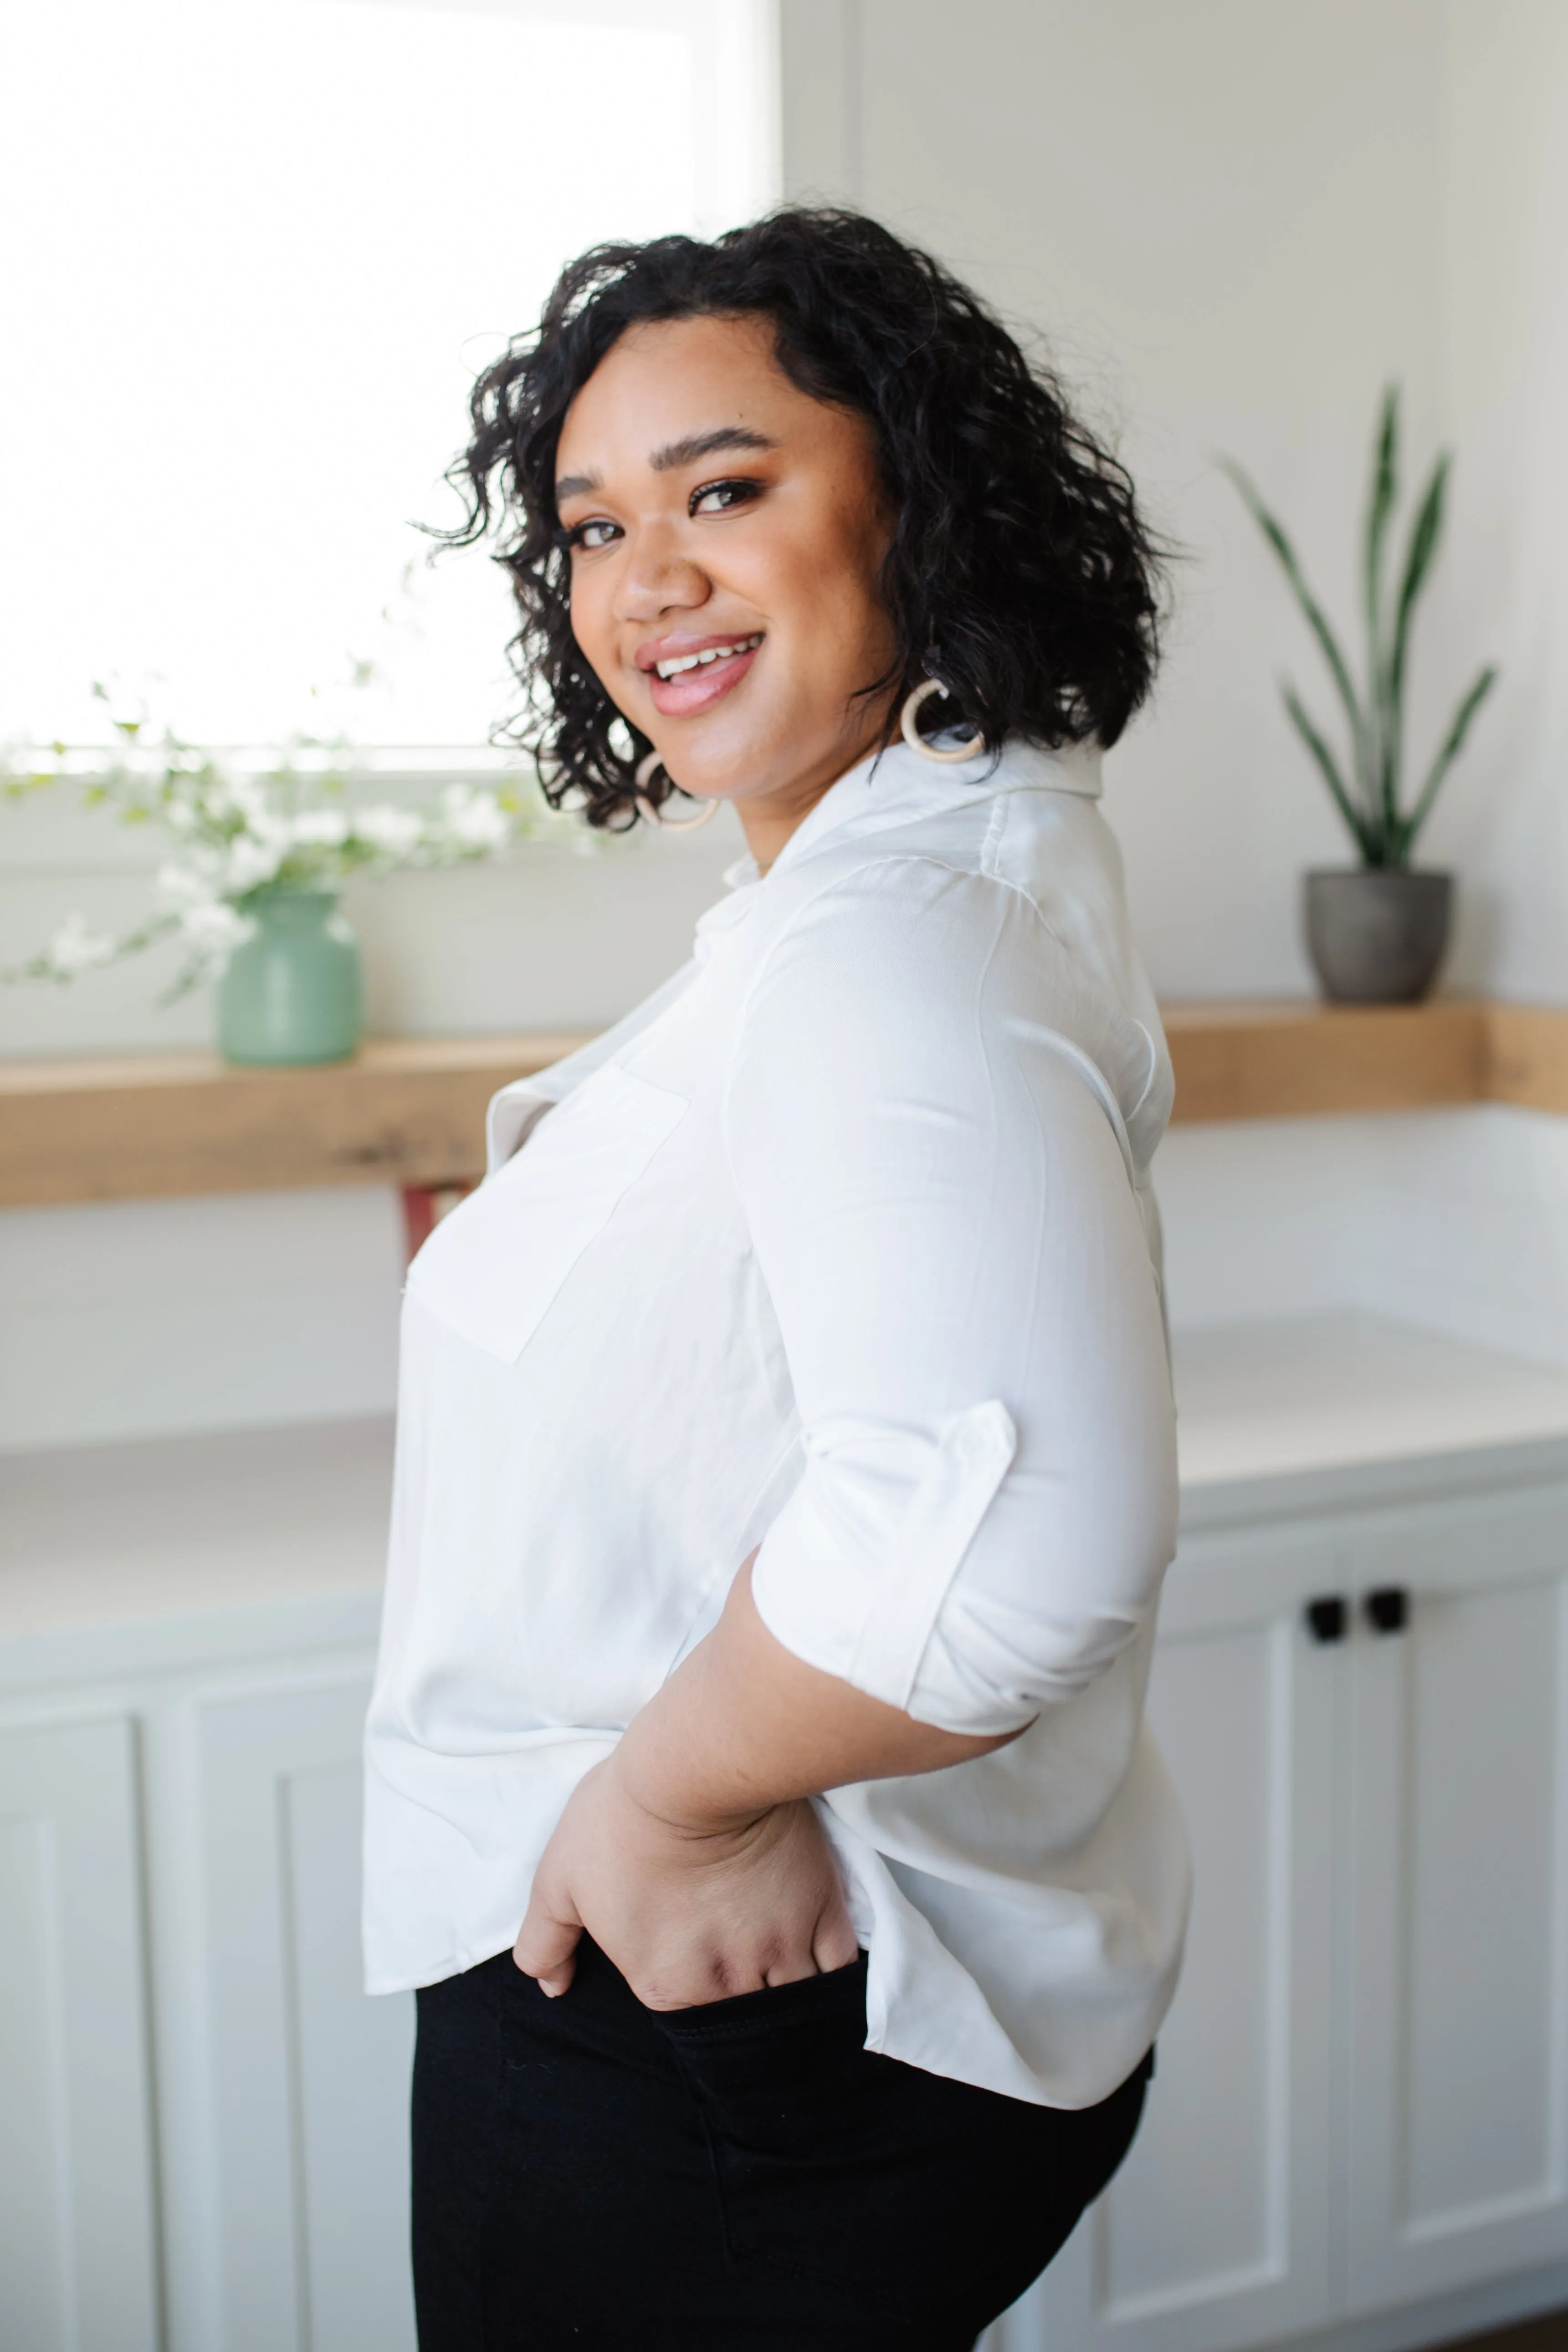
<point>689,1912</point>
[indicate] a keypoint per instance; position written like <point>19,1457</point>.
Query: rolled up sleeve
<point>938,1192</point>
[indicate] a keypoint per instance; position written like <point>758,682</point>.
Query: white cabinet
<point>1215,2234</point>
<point>281,2091</point>
<point>179,1939</point>
<point>1359,2125</point>
<point>1457,2088</point>
<point>78,2247</point>
<point>297,2210</point>
<point>1361,2096</point>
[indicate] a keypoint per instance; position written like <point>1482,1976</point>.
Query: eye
<point>719,498</point>
<point>595,533</point>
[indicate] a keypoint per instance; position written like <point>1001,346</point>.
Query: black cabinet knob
<point>1387,1609</point>
<point>1326,1618</point>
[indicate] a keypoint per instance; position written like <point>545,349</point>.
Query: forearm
<point>744,1724</point>
<point>690,1854</point>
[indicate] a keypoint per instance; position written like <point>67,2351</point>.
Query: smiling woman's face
<point>726,533</point>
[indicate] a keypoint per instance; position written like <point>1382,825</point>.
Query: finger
<point>547,1942</point>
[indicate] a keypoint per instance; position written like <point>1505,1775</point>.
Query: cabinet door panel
<point>308,2114</point>
<point>1199,2205</point>
<point>78,2269</point>
<point>355,2057</point>
<point>1458,2096</point>
<point>1215,2233</point>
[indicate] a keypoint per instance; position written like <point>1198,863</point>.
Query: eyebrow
<point>697,445</point>
<point>688,451</point>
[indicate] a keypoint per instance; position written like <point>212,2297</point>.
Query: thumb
<point>547,1941</point>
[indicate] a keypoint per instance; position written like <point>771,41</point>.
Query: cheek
<point>833,592</point>
<point>594,636</point>
<point>854,614</point>
<point>859,540</point>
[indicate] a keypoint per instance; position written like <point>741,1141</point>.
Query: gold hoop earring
<point>913,704</point>
<point>656,816</point>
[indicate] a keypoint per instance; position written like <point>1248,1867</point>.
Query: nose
<point>659,577</point>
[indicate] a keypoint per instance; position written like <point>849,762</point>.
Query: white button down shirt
<point>842,1244</point>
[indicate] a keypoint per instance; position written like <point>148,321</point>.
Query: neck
<point>768,819</point>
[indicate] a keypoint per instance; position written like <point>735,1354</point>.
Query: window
<point>254,253</point>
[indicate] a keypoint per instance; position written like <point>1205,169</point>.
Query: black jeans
<point>593,2176</point>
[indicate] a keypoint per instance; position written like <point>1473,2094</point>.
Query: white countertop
<point>92,1534</point>
<point>1330,1392</point>
<point>1300,1415</point>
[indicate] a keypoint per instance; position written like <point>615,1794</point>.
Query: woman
<point>757,1790</point>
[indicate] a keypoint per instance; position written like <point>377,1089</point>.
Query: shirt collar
<point>894,786</point>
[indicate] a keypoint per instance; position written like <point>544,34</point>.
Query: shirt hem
<point>380,1981</point>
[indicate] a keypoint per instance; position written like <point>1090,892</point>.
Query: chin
<point>713,775</point>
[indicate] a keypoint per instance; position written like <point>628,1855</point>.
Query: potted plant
<point>251,896</point>
<point>1376,933</point>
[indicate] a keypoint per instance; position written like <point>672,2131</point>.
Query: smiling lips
<point>687,675</point>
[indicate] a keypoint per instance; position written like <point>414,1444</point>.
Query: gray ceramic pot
<point>1377,937</point>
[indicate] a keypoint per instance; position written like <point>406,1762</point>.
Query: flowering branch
<point>294,828</point>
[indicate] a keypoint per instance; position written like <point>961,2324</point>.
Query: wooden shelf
<point>1303,1061</point>
<point>1527,1057</point>
<point>1295,1061</point>
<point>410,1111</point>
<point>134,1127</point>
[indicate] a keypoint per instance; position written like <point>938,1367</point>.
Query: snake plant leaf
<point>1317,621</point>
<point>1448,752</point>
<point>1381,496</point>
<point>1426,533</point>
<point>1369,795</point>
<point>1329,769</point>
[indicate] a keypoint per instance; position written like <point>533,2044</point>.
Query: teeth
<point>713,653</point>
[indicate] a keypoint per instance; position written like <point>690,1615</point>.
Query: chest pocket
<point>493,1268</point>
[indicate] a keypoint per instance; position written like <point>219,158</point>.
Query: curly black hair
<point>1020,571</point>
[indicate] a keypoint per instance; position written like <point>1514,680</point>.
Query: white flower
<point>214,927</point>
<point>248,799</point>
<point>179,886</point>
<point>395,832</point>
<point>235,835</point>
<point>316,828</point>
<point>247,862</point>
<point>75,949</point>
<point>208,922</point>
<point>473,820</point>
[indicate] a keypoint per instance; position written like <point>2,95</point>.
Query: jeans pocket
<point>839,1993</point>
<point>911,2194</point>
<point>832,2162</point>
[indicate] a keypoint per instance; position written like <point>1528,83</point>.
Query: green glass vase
<point>293,993</point>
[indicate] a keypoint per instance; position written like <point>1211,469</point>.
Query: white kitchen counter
<point>147,1556</point>
<point>1329,1410</point>
<point>1305,1415</point>
<point>1327,1392</point>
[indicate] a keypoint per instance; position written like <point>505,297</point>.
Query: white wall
<point>1233,219</point>
<point>1453,1219</point>
<point>151,1318</point>
<point>1505,388</point>
<point>1225,216</point>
